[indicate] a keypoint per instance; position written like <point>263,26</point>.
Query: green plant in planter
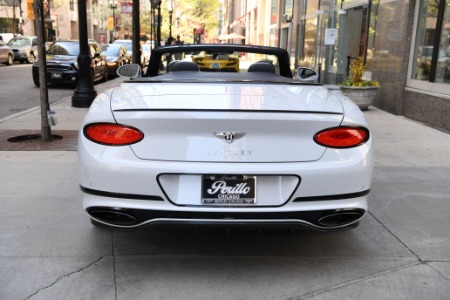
<point>355,79</point>
<point>361,92</point>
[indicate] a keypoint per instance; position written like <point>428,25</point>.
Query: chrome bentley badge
<point>229,137</point>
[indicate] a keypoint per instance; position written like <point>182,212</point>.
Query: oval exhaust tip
<point>114,217</point>
<point>340,218</point>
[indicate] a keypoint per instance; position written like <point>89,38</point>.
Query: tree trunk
<point>46,132</point>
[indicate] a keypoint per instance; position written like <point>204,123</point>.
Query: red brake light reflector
<point>112,134</point>
<point>342,137</point>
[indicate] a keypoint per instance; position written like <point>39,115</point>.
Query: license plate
<point>56,75</point>
<point>228,189</point>
<point>215,66</point>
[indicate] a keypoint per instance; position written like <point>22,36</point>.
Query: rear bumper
<point>123,191</point>
<point>321,220</point>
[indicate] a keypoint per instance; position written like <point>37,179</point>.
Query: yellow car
<point>217,62</point>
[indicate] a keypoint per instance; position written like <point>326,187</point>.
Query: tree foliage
<point>11,7</point>
<point>190,14</point>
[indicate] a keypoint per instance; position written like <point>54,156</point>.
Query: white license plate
<point>215,66</point>
<point>228,189</point>
<point>56,75</point>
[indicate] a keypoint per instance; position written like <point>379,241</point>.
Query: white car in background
<point>24,48</point>
<point>248,147</point>
<point>6,54</point>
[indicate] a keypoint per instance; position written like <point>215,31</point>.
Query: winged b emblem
<point>229,137</point>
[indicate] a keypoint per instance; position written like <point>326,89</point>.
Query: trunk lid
<point>217,122</point>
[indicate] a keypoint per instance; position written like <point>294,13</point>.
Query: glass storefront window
<point>443,66</point>
<point>431,58</point>
<point>308,58</point>
<point>274,12</point>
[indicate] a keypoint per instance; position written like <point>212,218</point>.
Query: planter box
<point>363,96</point>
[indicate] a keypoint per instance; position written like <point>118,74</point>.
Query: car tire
<point>36,81</point>
<point>10,60</point>
<point>30,59</point>
<point>105,75</point>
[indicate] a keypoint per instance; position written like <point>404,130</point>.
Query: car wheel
<point>10,60</point>
<point>36,81</point>
<point>105,75</point>
<point>30,59</point>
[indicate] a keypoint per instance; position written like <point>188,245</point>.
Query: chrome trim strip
<point>332,197</point>
<point>234,222</point>
<point>120,195</point>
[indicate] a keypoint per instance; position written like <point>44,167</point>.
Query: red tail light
<point>342,137</point>
<point>112,134</point>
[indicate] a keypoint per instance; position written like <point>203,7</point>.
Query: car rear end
<point>233,153</point>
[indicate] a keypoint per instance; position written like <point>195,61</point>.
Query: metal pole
<point>151,29</point>
<point>158,29</point>
<point>84,93</point>
<point>114,22</point>
<point>170,23</point>
<point>113,6</point>
<point>136,34</point>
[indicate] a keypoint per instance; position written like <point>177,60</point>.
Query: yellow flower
<point>355,79</point>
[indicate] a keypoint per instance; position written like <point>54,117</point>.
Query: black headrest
<point>262,67</point>
<point>183,66</point>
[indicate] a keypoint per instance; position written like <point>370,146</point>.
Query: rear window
<point>64,48</point>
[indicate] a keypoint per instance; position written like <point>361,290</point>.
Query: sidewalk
<point>69,118</point>
<point>29,123</point>
<point>401,250</point>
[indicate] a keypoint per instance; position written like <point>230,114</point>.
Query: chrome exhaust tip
<point>113,217</point>
<point>341,218</point>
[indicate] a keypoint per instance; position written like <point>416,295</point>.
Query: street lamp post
<point>156,23</point>
<point>170,9</point>
<point>158,28</point>
<point>84,93</point>
<point>113,6</point>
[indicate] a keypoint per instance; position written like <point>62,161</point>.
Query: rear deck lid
<point>227,122</point>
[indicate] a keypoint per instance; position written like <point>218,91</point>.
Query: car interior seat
<point>262,66</point>
<point>176,66</point>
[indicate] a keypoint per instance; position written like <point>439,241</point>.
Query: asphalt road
<point>18,92</point>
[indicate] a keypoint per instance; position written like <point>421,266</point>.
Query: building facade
<point>405,44</point>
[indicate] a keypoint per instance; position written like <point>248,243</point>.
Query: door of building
<point>351,43</point>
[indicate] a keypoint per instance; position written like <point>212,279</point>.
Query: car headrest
<point>183,66</point>
<point>170,65</point>
<point>262,67</point>
<point>222,57</point>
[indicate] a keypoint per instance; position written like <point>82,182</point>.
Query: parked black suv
<point>62,65</point>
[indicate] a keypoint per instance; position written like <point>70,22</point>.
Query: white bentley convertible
<point>250,147</point>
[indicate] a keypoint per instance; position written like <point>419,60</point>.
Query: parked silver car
<point>6,54</point>
<point>24,48</point>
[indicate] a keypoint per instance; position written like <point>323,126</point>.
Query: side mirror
<point>130,70</point>
<point>307,75</point>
